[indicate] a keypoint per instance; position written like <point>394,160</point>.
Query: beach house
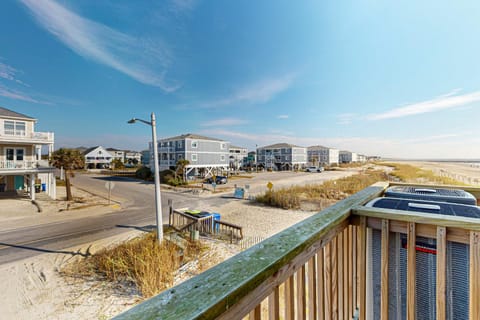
<point>282,156</point>
<point>21,164</point>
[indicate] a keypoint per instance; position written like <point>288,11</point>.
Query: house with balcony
<point>238,157</point>
<point>117,154</point>
<point>133,157</point>
<point>347,156</point>
<point>21,166</point>
<point>320,155</point>
<point>206,156</point>
<point>282,156</point>
<point>97,158</point>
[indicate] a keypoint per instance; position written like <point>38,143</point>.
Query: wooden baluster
<point>362,232</point>
<point>350,272</point>
<point>274,305</point>
<point>328,281</point>
<point>411,271</point>
<point>256,314</point>
<point>312,275</point>
<point>340,275</point>
<point>384,269</point>
<point>320,285</point>
<point>301,298</point>
<point>290,299</point>
<point>474,275</point>
<point>334,280</point>
<point>441,271</point>
<point>345,273</point>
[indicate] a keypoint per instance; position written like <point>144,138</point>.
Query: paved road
<point>138,212</point>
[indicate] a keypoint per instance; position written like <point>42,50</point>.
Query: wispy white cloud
<point>224,122</point>
<point>143,60</point>
<point>283,116</point>
<point>17,95</point>
<point>258,92</point>
<point>10,73</point>
<point>447,101</point>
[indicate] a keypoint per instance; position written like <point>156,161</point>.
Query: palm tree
<point>70,160</point>
<point>180,168</point>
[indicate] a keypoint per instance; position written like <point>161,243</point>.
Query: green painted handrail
<point>217,290</point>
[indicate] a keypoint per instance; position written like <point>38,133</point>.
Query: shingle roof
<point>318,147</point>
<point>281,145</point>
<point>191,136</point>
<point>12,114</point>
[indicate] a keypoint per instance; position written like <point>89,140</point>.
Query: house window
<point>194,157</point>
<point>179,157</point>
<point>17,128</point>
<point>10,153</point>
<point>222,158</point>
<point>194,144</point>
<point>222,146</point>
<point>20,153</point>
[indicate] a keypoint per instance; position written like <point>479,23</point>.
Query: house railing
<point>317,269</point>
<point>34,136</point>
<point>14,164</point>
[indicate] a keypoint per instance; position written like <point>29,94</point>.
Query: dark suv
<point>218,180</point>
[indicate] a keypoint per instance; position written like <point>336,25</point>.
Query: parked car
<point>218,180</point>
<point>314,169</point>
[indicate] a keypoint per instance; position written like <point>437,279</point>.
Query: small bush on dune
<point>142,262</point>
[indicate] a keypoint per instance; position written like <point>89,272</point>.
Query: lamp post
<point>158,199</point>
<point>256,158</point>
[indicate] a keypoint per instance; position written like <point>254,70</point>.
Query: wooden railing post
<point>411,271</point>
<point>362,263</point>
<point>384,269</point>
<point>441,272</point>
<point>474,275</point>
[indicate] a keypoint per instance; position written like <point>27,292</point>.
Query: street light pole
<point>158,198</point>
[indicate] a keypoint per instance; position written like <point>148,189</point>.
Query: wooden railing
<point>318,269</point>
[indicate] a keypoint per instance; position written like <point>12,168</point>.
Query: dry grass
<point>409,173</point>
<point>142,262</point>
<point>292,197</point>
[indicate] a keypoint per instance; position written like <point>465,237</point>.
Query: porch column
<point>32,187</point>
<point>52,190</point>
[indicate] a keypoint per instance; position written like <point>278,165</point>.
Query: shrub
<point>144,173</point>
<point>143,262</point>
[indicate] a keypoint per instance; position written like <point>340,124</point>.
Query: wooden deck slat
<point>441,272</point>
<point>350,272</point>
<point>328,281</point>
<point>474,275</point>
<point>320,285</point>
<point>290,298</point>
<point>312,289</point>
<point>411,271</point>
<point>362,265</point>
<point>256,314</point>
<point>384,269</point>
<point>301,296</point>
<point>340,274</point>
<point>334,279</point>
<point>274,304</point>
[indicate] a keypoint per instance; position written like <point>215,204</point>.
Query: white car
<point>314,169</point>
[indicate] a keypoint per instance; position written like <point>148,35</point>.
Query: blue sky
<point>395,79</point>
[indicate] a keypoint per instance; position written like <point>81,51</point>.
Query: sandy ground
<point>33,288</point>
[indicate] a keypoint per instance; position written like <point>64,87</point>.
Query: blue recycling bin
<point>216,217</point>
<point>44,187</point>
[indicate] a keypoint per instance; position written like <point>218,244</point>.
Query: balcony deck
<point>32,138</point>
<point>317,268</point>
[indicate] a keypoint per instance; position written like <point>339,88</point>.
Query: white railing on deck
<point>37,136</point>
<point>10,164</point>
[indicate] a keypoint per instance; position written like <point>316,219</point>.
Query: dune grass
<point>409,173</point>
<point>140,262</point>
<point>291,198</point>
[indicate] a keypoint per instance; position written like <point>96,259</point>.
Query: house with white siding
<point>238,157</point>
<point>97,158</point>
<point>206,156</point>
<point>117,154</point>
<point>348,156</point>
<point>282,156</point>
<point>21,166</point>
<point>320,155</point>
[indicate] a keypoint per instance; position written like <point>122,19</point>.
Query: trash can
<point>44,187</point>
<point>38,188</point>
<point>216,217</point>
